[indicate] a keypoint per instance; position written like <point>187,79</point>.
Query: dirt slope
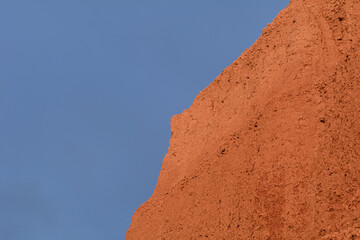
<point>271,149</point>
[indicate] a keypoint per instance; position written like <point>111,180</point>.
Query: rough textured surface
<point>271,149</point>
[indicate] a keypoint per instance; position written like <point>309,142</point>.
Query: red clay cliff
<point>271,148</point>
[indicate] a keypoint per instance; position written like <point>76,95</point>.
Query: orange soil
<point>271,149</point>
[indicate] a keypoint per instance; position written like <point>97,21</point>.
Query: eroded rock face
<point>271,149</point>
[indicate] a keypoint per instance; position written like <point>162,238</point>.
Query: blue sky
<point>87,90</point>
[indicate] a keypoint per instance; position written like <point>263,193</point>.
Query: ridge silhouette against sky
<point>87,90</point>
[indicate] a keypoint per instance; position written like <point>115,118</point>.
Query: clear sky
<point>87,90</point>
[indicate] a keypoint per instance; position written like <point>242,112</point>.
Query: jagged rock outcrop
<point>271,148</point>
